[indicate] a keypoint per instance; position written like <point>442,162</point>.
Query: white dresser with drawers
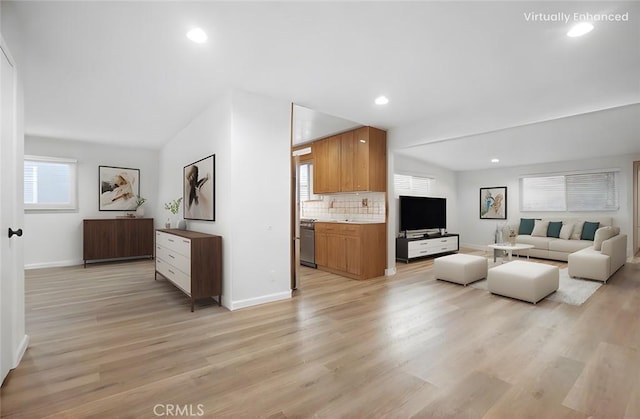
<point>192,261</point>
<point>408,249</point>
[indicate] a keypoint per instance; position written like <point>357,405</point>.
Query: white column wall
<point>250,136</point>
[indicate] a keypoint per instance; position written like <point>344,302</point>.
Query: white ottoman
<point>528,281</point>
<point>459,268</point>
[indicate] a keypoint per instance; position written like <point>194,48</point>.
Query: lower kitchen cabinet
<point>354,250</point>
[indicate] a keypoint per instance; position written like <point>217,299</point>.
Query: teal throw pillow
<point>589,230</point>
<point>554,229</point>
<point>526,226</point>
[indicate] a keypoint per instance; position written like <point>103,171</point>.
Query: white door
<point>12,337</point>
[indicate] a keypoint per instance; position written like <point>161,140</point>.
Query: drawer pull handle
<point>171,271</point>
<point>171,240</point>
<point>172,257</point>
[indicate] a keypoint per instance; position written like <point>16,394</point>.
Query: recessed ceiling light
<point>495,160</point>
<point>580,29</point>
<point>381,100</point>
<point>197,35</point>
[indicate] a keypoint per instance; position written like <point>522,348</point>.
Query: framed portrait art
<point>493,203</point>
<point>119,188</point>
<point>199,198</point>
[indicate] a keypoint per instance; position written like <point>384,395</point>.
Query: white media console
<point>408,249</point>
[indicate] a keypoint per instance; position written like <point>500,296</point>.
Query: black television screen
<point>421,213</point>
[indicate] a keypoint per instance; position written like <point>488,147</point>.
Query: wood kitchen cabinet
<point>354,250</point>
<point>326,170</point>
<point>354,161</point>
<point>370,160</point>
<point>347,160</point>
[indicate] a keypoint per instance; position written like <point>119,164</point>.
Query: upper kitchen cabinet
<point>326,170</point>
<point>370,160</point>
<point>347,160</point>
<point>355,161</point>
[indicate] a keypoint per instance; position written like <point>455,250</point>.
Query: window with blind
<point>411,185</point>
<point>572,192</point>
<point>50,183</point>
<point>305,181</point>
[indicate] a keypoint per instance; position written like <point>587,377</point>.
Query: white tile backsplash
<point>366,206</point>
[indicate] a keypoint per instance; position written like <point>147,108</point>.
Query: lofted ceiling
<point>456,73</point>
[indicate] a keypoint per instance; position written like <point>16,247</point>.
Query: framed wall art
<point>119,188</point>
<point>199,198</point>
<point>493,203</point>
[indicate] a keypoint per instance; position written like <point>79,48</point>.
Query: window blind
<point>592,192</point>
<point>595,191</point>
<point>411,185</point>
<point>543,194</point>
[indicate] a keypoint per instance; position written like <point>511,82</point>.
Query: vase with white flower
<point>173,207</point>
<point>139,202</point>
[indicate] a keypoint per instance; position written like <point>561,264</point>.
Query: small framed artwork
<point>119,188</point>
<point>199,198</point>
<point>493,203</point>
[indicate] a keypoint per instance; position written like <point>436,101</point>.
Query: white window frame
<point>73,185</point>
<point>564,190</point>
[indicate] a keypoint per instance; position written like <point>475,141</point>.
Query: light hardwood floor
<point>109,341</point>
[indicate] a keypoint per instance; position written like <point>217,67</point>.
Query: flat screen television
<point>422,213</point>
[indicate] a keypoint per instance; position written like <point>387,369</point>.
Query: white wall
<point>477,233</point>
<point>55,238</point>
<point>261,196</point>
<point>208,133</point>
<point>250,136</point>
<point>444,186</point>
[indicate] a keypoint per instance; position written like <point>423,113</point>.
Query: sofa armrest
<point>616,249</point>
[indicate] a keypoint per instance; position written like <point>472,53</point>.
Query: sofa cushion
<point>566,231</point>
<point>537,242</point>
<point>577,230</point>
<point>554,229</point>
<point>602,234</point>
<point>589,230</point>
<point>568,246</point>
<point>526,226</point>
<point>540,228</point>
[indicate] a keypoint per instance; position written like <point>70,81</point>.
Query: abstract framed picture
<point>493,203</point>
<point>119,187</point>
<point>199,197</point>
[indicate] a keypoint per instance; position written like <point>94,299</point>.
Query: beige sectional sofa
<point>599,264</point>
<point>558,248</point>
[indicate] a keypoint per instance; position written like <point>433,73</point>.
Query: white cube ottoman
<point>528,281</point>
<point>459,268</point>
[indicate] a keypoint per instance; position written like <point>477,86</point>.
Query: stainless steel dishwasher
<point>308,243</point>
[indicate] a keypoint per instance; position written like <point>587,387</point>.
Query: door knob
<point>17,232</point>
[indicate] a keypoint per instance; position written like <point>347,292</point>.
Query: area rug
<point>571,291</point>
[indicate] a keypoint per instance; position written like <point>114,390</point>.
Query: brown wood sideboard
<point>117,238</point>
<point>192,261</point>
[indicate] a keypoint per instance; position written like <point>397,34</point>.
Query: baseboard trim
<point>249,302</point>
<point>57,264</point>
<point>22,348</point>
<point>390,271</point>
